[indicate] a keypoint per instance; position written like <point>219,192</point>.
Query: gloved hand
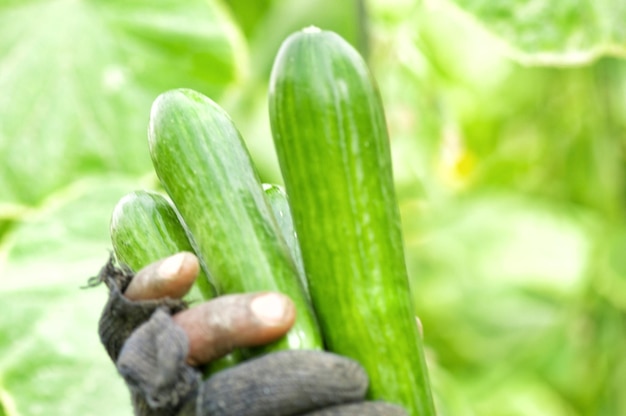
<point>156,343</point>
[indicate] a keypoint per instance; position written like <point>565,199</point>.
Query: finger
<point>170,277</point>
<point>286,383</point>
<point>217,327</point>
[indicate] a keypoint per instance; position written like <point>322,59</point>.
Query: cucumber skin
<point>145,228</point>
<point>204,166</point>
<point>277,197</point>
<point>331,138</point>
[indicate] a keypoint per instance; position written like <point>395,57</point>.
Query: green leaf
<point>502,240</point>
<point>51,360</point>
<point>58,244</point>
<point>78,77</point>
<point>543,32</point>
<point>497,278</point>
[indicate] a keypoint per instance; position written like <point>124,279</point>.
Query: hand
<point>217,327</point>
<point>154,360</point>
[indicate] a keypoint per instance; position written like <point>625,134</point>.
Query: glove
<point>150,349</point>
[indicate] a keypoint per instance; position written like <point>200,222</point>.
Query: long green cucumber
<point>330,134</point>
<point>145,228</point>
<point>202,162</point>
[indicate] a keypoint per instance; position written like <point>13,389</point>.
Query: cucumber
<point>203,164</point>
<point>279,202</point>
<point>330,134</point>
<point>145,228</point>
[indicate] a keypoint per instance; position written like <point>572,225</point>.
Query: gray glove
<point>149,350</point>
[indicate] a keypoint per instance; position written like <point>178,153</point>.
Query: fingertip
<point>182,267</point>
<point>170,266</point>
<point>273,309</point>
<point>171,277</point>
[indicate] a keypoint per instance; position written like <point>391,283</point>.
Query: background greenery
<point>507,122</point>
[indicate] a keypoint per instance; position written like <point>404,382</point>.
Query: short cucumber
<point>145,228</point>
<point>331,138</point>
<point>202,162</point>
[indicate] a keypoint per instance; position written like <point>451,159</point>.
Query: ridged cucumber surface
<point>202,162</point>
<point>145,228</point>
<point>331,137</point>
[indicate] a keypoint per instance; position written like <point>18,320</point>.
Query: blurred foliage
<point>549,33</point>
<point>507,123</point>
<point>76,74</point>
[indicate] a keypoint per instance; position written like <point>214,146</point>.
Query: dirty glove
<point>150,352</point>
